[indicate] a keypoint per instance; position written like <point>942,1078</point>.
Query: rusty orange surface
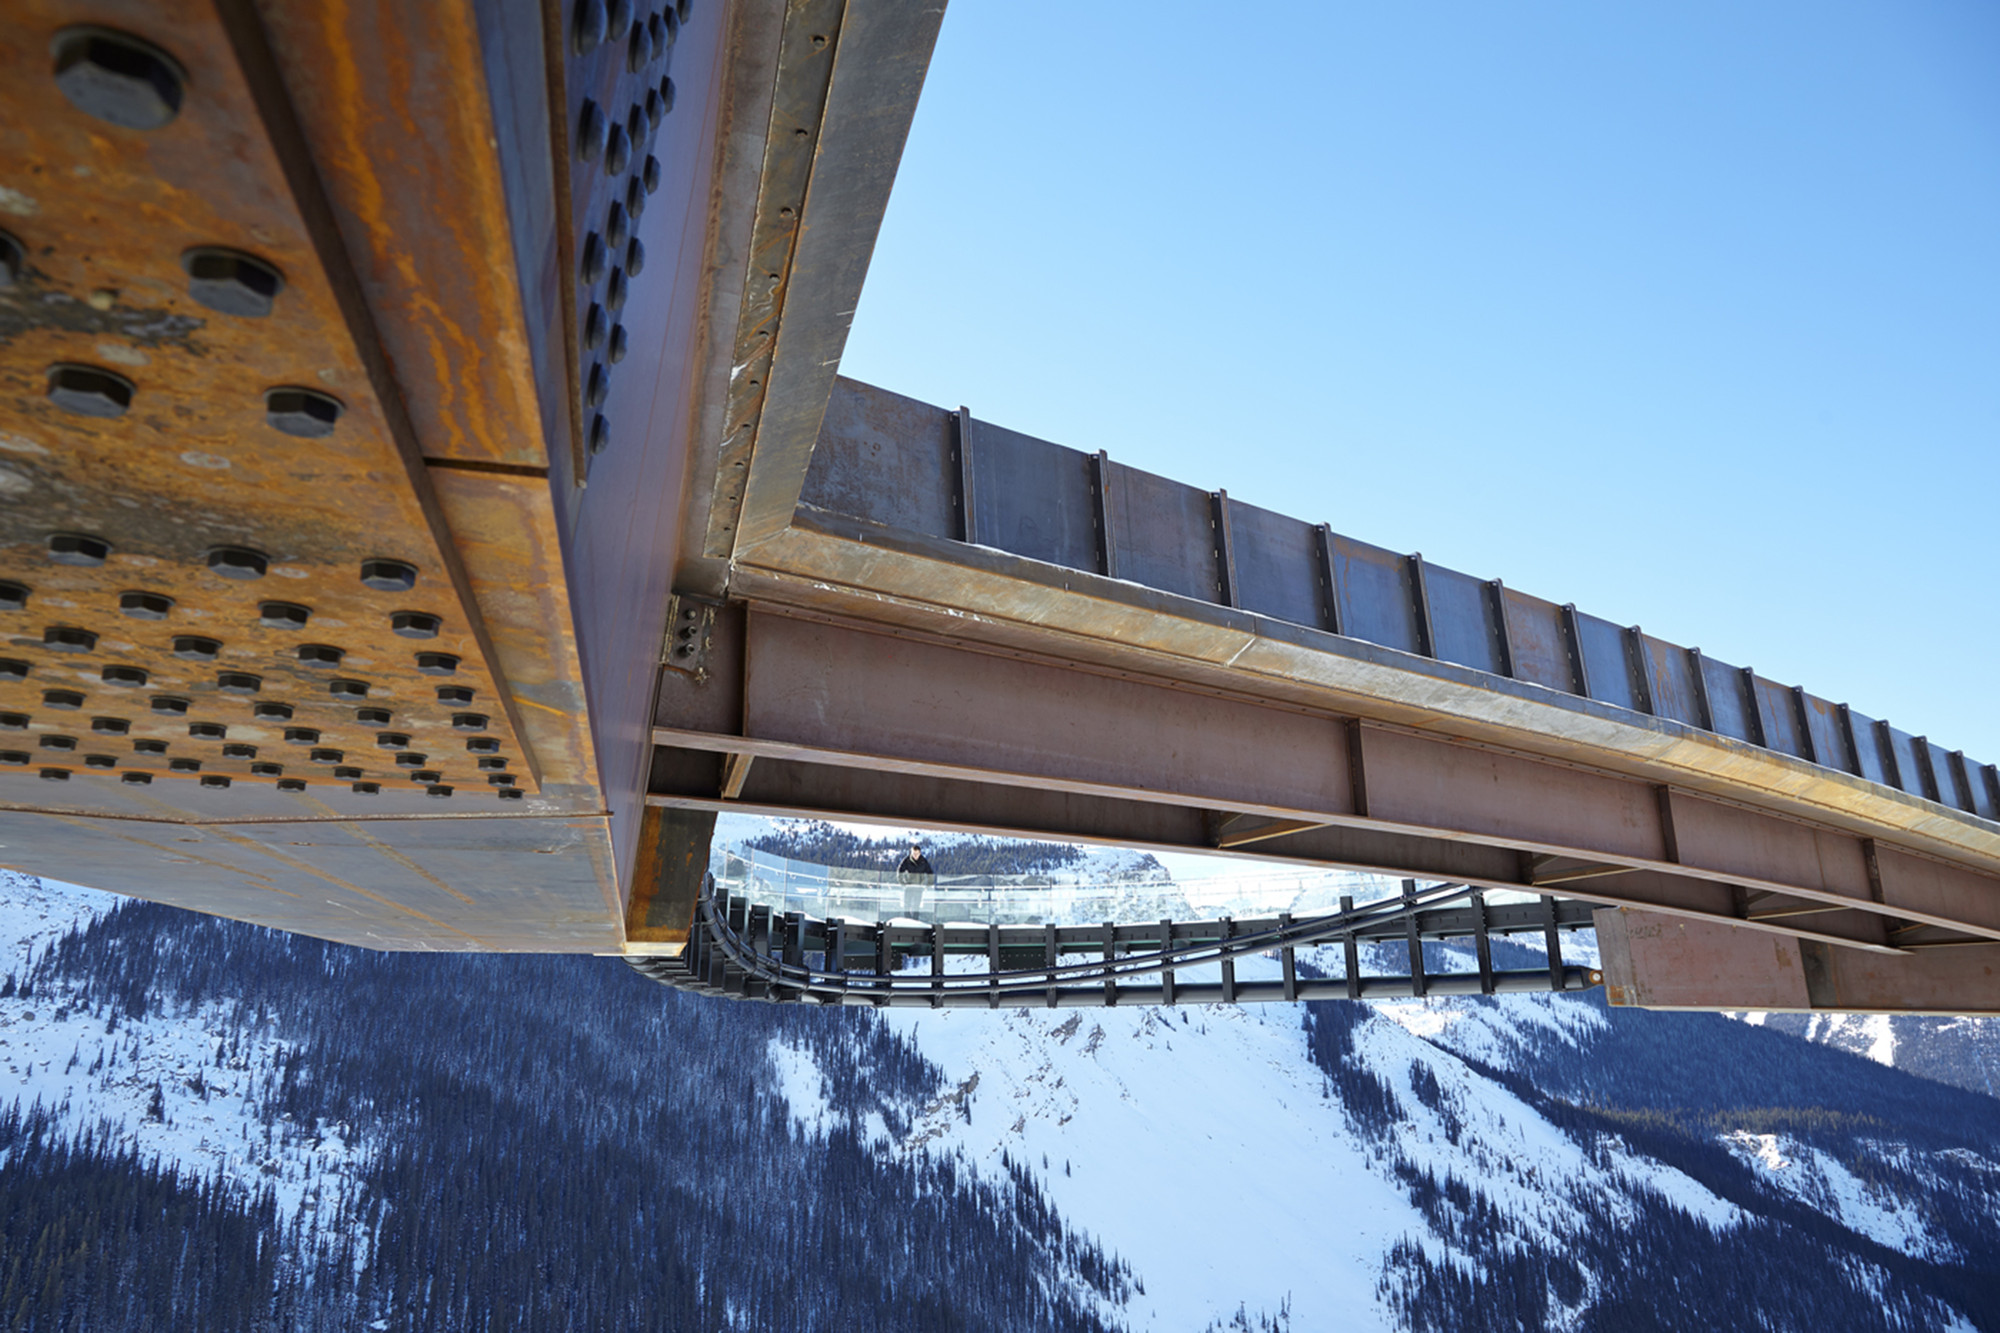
<point>394,105</point>
<point>105,214</point>
<point>399,300</point>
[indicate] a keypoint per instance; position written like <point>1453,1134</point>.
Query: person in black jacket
<point>915,872</point>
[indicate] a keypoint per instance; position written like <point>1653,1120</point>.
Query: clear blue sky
<point>1688,313</point>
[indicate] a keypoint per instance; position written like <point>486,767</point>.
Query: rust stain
<point>361,835</point>
<point>181,850</point>
<point>303,867</point>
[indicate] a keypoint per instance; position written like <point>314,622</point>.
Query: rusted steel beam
<point>899,580</point>
<point>1418,644</point>
<point>330,289</point>
<point>841,695</point>
<point>1662,962</point>
<point>861,791</point>
<point>847,84</point>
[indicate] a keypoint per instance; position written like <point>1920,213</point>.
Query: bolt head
<point>232,282</point>
<point>12,260</point>
<point>238,562</point>
<point>587,27</point>
<point>650,175</point>
<point>89,391</point>
<point>283,615</point>
<point>117,77</point>
<point>145,605</point>
<point>13,668</point>
<point>589,132</point>
<point>305,413</point>
<point>76,548</point>
<point>619,342</point>
<point>436,664</point>
<point>388,575</point>
<point>68,639</point>
<point>415,624</point>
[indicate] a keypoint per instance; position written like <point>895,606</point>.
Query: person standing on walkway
<point>916,874</point>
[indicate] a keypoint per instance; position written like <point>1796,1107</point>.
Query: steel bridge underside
<point>879,666</point>
<point>567,307</point>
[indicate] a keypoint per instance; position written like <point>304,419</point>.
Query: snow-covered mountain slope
<point>1212,1151</point>
<point>1964,1052</point>
<point>445,1127</point>
<point>181,1084</point>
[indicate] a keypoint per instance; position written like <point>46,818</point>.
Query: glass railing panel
<point>1061,897</point>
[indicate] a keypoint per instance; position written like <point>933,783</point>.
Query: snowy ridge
<point>173,1083</point>
<point>1189,1137</point>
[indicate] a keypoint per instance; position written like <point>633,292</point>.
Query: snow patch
<point>803,1087</point>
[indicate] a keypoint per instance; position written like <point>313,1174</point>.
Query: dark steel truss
<point>748,951</point>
